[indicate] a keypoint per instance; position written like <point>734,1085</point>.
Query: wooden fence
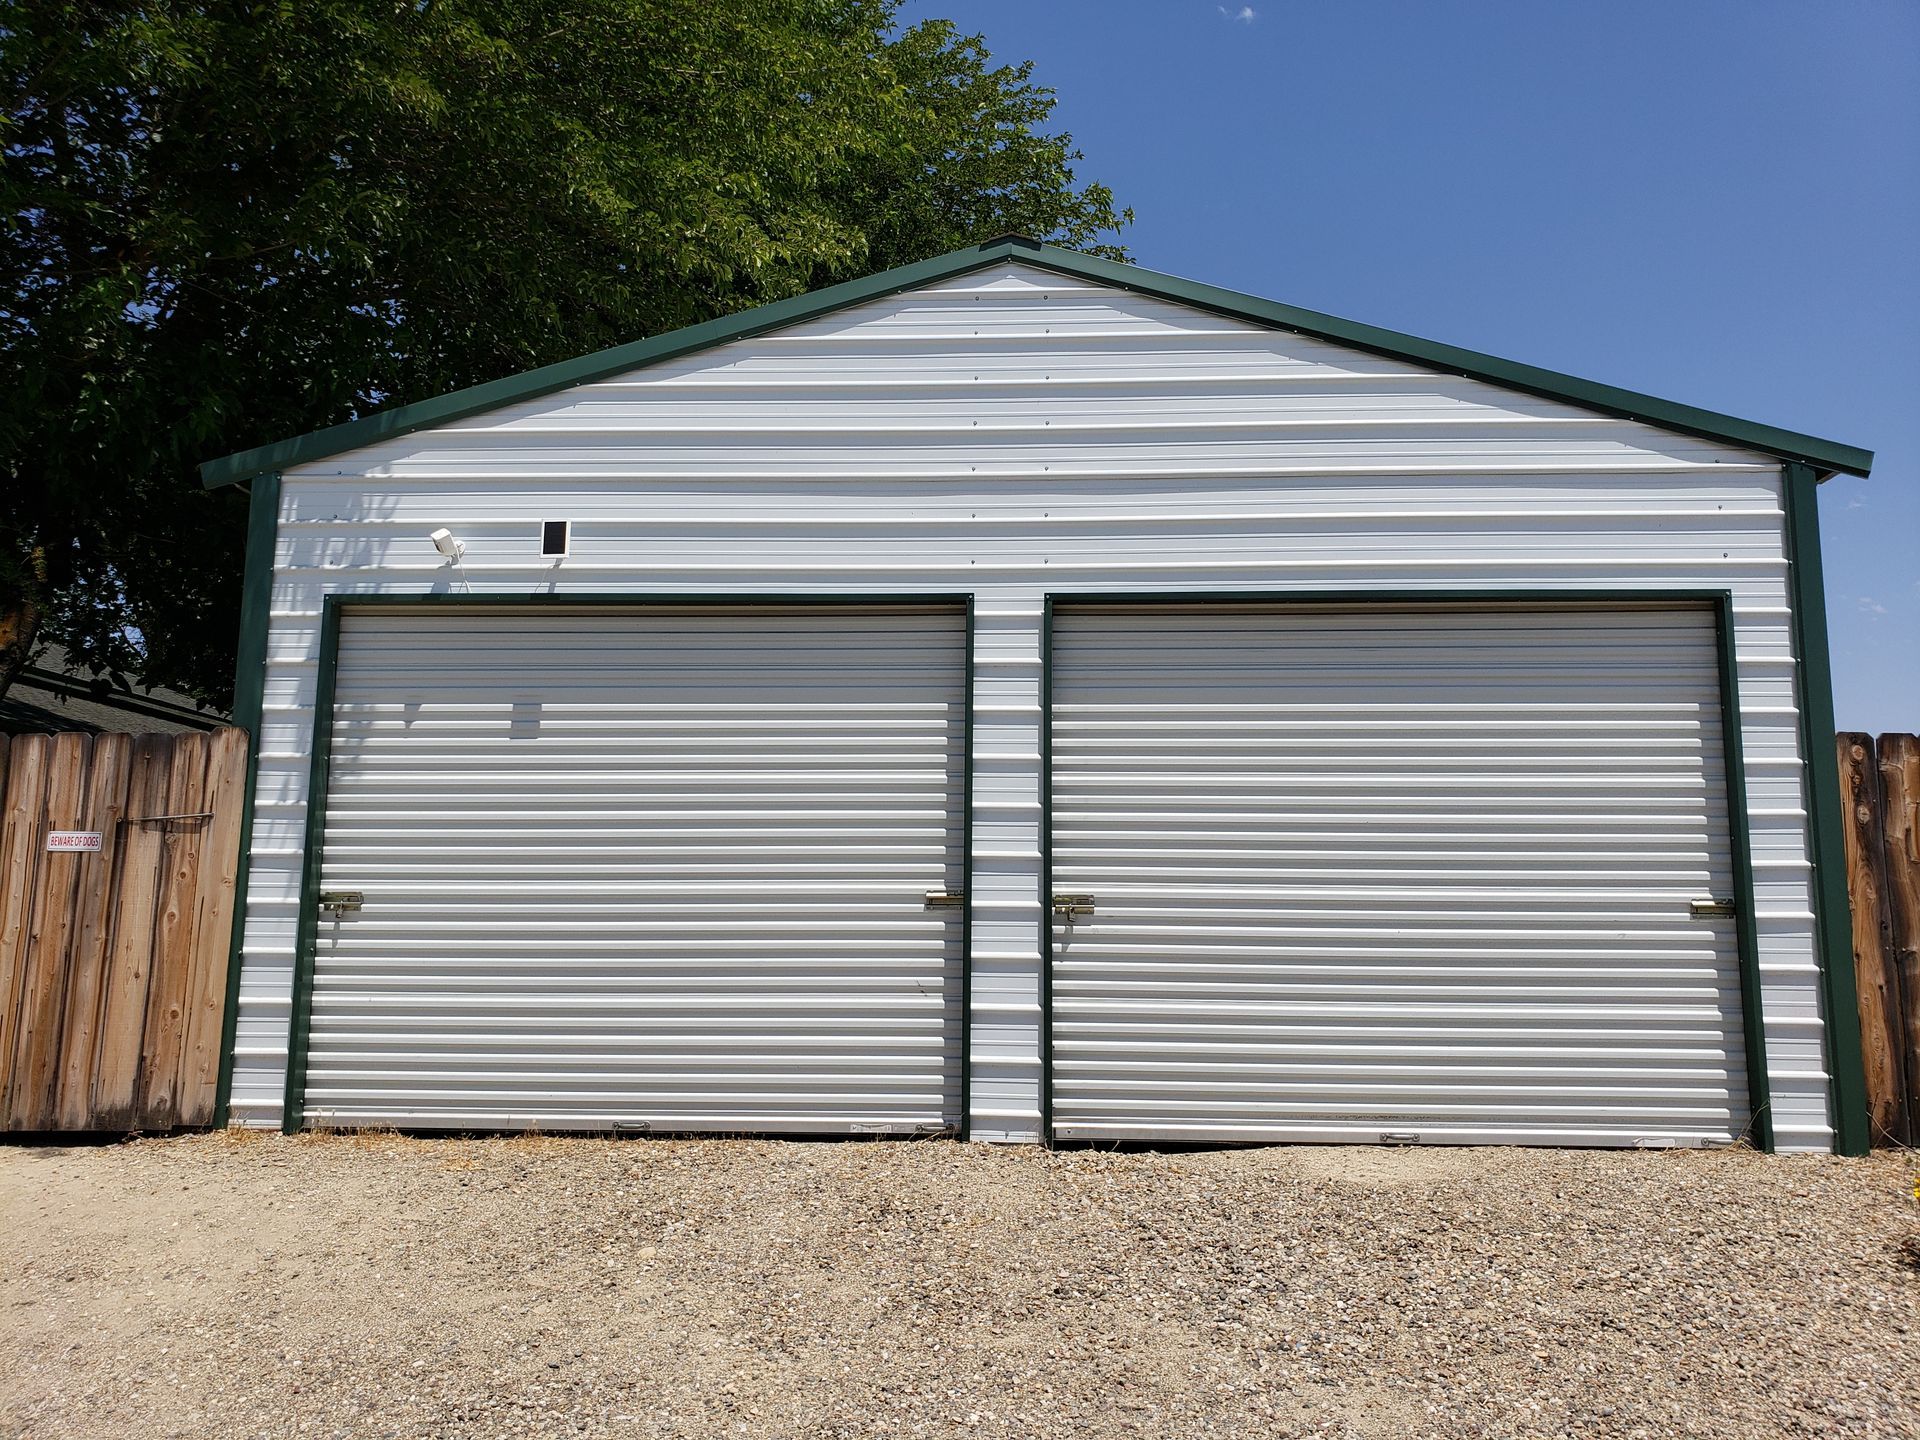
<point>118,855</point>
<point>1880,788</point>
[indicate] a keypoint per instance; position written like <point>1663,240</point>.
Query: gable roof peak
<point>1824,456</point>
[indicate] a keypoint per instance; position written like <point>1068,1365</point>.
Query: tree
<point>233,222</point>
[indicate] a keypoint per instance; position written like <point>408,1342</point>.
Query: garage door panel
<point>1367,869</point>
<point>656,866</point>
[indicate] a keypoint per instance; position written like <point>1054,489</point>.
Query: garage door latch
<point>1072,906</point>
<point>1707,909</point>
<point>338,902</point>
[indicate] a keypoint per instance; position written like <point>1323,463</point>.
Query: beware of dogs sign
<point>73,840</point>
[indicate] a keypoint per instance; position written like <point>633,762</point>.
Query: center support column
<point>1004,884</point>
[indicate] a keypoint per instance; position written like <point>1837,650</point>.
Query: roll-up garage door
<point>643,866</point>
<point>1416,873</point>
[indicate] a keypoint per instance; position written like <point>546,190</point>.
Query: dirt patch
<point>379,1286</point>
<point>1375,1167</point>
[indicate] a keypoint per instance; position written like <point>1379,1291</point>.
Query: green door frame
<point>1720,602</point>
<point>306,941</point>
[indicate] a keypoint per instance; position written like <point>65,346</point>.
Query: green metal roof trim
<point>1826,456</point>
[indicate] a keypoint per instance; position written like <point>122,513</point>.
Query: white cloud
<point>1872,606</point>
<point>1246,14</point>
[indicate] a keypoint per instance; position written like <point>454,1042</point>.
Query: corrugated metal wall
<point>1011,433</point>
<point>1423,871</point>
<point>645,866</point>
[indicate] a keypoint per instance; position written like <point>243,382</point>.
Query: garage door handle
<point>1709,909</point>
<point>945,899</point>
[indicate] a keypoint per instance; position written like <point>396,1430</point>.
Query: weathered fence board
<point>1899,757</point>
<point>1880,786</point>
<point>43,982</point>
<point>166,1031</point>
<point>20,833</point>
<point>207,982</point>
<point>86,981</point>
<point>129,957</point>
<point>113,962</point>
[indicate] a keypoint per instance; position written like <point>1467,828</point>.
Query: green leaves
<point>234,222</point>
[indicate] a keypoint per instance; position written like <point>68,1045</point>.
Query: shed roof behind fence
<point>53,694</point>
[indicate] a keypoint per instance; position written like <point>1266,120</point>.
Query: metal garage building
<point>1029,696</point>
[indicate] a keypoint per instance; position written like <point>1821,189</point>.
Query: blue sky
<point>1716,201</point>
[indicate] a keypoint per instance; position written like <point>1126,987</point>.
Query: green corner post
<point>256,599</point>
<point>1826,842</point>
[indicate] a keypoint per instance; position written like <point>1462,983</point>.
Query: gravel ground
<point>241,1284</point>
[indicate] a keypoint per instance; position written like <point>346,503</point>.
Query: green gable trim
<point>531,384</point>
<point>1826,456</point>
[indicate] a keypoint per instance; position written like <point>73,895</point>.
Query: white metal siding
<point>1421,871</point>
<point>924,458</point>
<point>643,866</point>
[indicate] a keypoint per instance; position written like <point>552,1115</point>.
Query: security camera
<point>444,542</point>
